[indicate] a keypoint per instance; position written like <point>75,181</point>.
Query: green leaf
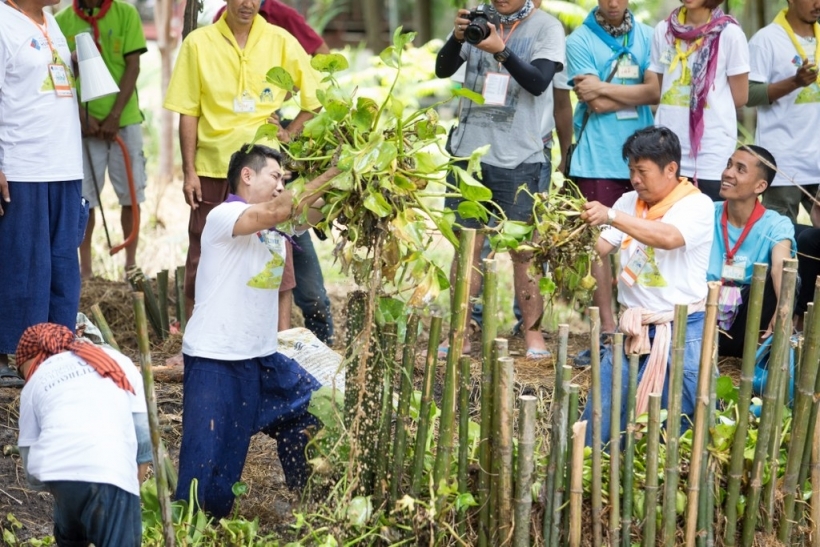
<point>396,107</point>
<point>400,40</point>
<point>281,78</point>
<point>359,511</point>
<point>387,152</point>
<point>516,229</point>
<point>472,209</point>
<point>267,131</point>
<point>444,223</point>
<point>318,126</point>
<point>465,501</point>
<point>546,286</point>
<point>726,390</point>
<point>474,163</point>
<point>443,279</point>
<point>470,188</point>
<point>333,62</point>
<point>376,203</point>
<point>389,310</point>
<point>425,163</point>
<point>389,57</point>
<point>343,181</point>
<point>468,94</point>
<point>365,112</point>
<point>403,183</point>
<point>239,489</point>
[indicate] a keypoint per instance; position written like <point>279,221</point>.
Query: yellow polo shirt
<point>215,80</point>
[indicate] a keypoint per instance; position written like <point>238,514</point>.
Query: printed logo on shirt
<point>34,44</point>
<point>266,96</point>
<point>650,275</point>
<point>48,83</point>
<point>809,95</point>
<point>271,275</point>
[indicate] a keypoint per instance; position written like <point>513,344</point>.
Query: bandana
<point>705,39</point>
<point>643,210</point>
<point>517,16</point>
<point>39,342</point>
<point>93,19</point>
<point>783,22</point>
<point>615,32</point>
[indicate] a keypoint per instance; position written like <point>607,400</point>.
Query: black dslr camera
<point>478,30</point>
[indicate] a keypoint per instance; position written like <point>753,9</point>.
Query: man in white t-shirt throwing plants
<point>236,383</point>
<point>84,435</point>
<point>663,231</point>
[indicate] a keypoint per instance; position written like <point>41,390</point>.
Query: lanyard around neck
<point>783,22</point>
<point>757,214</point>
<point>43,28</point>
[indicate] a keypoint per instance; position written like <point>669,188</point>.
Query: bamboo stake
<point>673,419</point>
<point>162,294</point>
<point>800,426</point>
<point>576,491</point>
<point>387,358</point>
<point>460,310</point>
<point>701,425</point>
<point>463,431</point>
<point>706,524</point>
<point>815,483</point>
<point>105,329</point>
<point>143,285</point>
<point>526,464</point>
<point>710,508</point>
<point>778,356</point>
<point>153,419</point>
<point>572,418</point>
<point>179,283</point>
<point>560,456</point>
<point>426,402</point>
<point>403,420</point>
<point>597,466</point>
<point>489,331</point>
<point>653,439</point>
<point>804,468</point>
<point>558,419</point>
<point>629,451</point>
<point>744,400</point>
<point>615,440</point>
<point>503,440</point>
<point>500,350</point>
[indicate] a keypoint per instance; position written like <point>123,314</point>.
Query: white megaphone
<point>95,80</point>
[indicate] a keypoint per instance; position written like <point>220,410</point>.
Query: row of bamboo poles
<point>505,514</point>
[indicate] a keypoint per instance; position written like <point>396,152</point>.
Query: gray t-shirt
<point>514,130</point>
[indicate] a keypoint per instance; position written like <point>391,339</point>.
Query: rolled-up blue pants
<point>40,231</point>
<point>224,403</point>
<point>691,364</point>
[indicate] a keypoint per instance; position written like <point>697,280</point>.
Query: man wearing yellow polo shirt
<point>219,89</point>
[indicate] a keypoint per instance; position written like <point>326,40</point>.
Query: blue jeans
<point>40,231</point>
<point>224,403</point>
<point>310,294</point>
<point>691,365</point>
<point>543,186</point>
<point>89,512</point>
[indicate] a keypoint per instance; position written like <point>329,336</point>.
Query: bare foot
<point>535,340</point>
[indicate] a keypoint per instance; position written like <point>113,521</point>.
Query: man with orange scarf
<point>663,231</point>
<point>83,435</point>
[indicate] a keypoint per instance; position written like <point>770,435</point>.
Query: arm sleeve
<point>735,48</point>
<point>658,45</point>
<point>534,77</point>
<point>758,94</point>
<point>580,59</point>
<point>32,481</point>
<point>184,90</point>
<point>133,35</point>
<point>694,217</point>
<point>760,59</point>
<point>143,432</point>
<point>783,229</point>
<point>449,58</point>
<point>221,220</point>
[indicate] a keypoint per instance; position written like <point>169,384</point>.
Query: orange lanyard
<point>501,34</point>
<point>43,28</point>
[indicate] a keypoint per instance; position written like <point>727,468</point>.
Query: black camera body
<point>480,17</point>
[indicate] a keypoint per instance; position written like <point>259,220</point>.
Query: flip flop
<point>538,354</point>
<point>9,377</point>
<point>443,351</point>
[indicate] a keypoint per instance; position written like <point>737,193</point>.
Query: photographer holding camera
<point>511,51</point>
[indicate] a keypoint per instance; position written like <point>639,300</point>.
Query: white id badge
<point>59,77</point>
<point>245,103</point>
<point>495,88</point>
<point>734,271</point>
<point>627,114</point>
<point>633,268</point>
<point>627,70</point>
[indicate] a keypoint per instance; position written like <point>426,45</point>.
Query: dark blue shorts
<point>224,403</point>
<point>504,184</point>
<point>40,231</point>
<point>102,514</point>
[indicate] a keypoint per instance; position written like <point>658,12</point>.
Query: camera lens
<point>476,32</point>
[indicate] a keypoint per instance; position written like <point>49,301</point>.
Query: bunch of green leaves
<point>388,157</point>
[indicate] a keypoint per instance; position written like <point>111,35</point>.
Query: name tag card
<point>495,88</point>
<point>633,268</point>
<point>59,77</point>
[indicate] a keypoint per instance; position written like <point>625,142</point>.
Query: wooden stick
<point>403,421</point>
<point>615,440</point>
<point>560,455</point>
<point>102,324</point>
<point>597,434</point>
<point>629,452</point>
<point>559,420</point>
<point>463,431</point>
<point>500,351</point>
<point>701,425</point>
<point>576,491</point>
<point>179,283</point>
<point>526,464</point>
<point>572,419</point>
<point>815,483</point>
<point>153,419</point>
<point>504,441</point>
<point>489,331</point>
<point>162,293</point>
<point>426,402</point>
<point>387,359</point>
<point>653,438</point>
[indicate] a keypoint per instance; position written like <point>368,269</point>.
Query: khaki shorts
<point>107,155</point>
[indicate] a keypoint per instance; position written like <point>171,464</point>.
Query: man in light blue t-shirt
<point>610,42</point>
<point>746,233</point>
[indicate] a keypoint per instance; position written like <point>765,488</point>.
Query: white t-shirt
<point>788,128</point>
<point>39,131</point>
<point>237,290</point>
<point>78,425</point>
<point>719,118</point>
<point>669,277</point>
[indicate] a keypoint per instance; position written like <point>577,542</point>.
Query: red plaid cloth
<point>39,342</point>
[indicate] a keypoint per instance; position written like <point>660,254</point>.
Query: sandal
<point>538,354</point>
<point>9,377</point>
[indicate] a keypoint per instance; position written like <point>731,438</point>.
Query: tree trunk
<point>423,20</point>
<point>373,11</point>
<point>166,41</point>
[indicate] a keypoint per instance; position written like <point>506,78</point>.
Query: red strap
<point>93,20</point>
<point>756,215</point>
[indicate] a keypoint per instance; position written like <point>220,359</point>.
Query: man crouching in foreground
<point>84,435</point>
<point>235,382</point>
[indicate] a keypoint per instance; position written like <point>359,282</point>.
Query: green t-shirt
<point>120,35</point>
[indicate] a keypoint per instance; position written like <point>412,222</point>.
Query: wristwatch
<point>502,55</point>
<point>610,216</point>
